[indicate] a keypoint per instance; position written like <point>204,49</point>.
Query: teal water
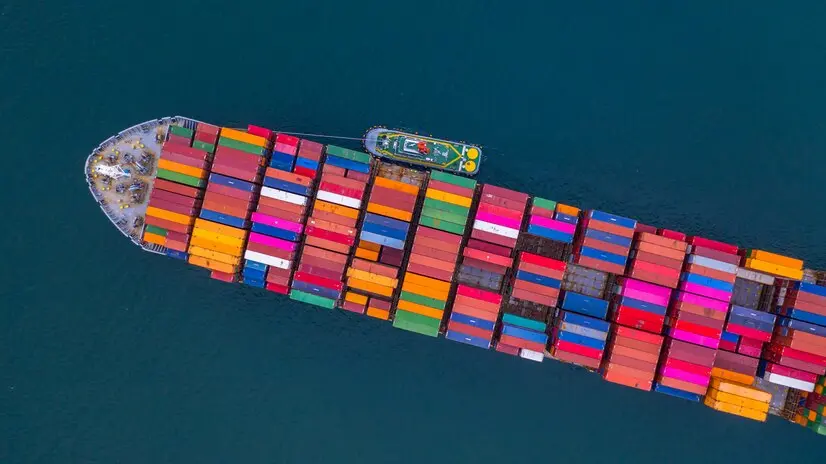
<point>707,118</point>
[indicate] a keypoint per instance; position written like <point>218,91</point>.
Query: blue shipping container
<point>752,314</point>
<point>259,228</point>
<point>306,163</point>
<point>730,337</point>
<point>177,254</point>
<point>677,393</point>
<point>383,231</point>
<point>603,255</point>
<point>751,323</point>
<point>810,288</point>
<point>538,279</point>
<point>550,234</point>
<point>472,321</point>
<point>801,315</point>
<point>467,339</point>
<point>287,186</point>
<point>249,264</point>
<point>387,222</point>
<point>608,238</point>
<point>585,321</point>
<point>643,305</point>
<point>802,326</point>
<point>613,218</point>
<point>254,273</point>
<point>225,219</point>
<point>381,240</point>
<point>253,282</point>
<point>707,282</point>
<point>524,334</point>
<point>348,164</point>
<point>316,290</point>
<point>587,305</point>
<point>232,182</point>
<point>580,339</point>
<point>566,218</point>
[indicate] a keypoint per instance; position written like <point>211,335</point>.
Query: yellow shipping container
<point>216,237</point>
<point>420,309</point>
<point>394,213</point>
<point>243,137</point>
<point>743,402</point>
<point>213,265</point>
<point>396,185</point>
<point>370,287</point>
<point>214,255</point>
<point>736,410</point>
<point>149,237</point>
<point>448,197</point>
<point>424,291</point>
<point>741,390</point>
<point>367,254</point>
<point>374,278</point>
<point>427,282</point>
<point>220,228</point>
<point>168,215</point>
<point>216,246</point>
<point>733,376</point>
<point>382,314</point>
<point>565,209</point>
<point>336,209</point>
<point>355,298</point>
<point>774,258</point>
<point>782,271</point>
<point>181,168</point>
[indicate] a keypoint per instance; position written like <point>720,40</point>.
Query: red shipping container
<point>727,346</point>
<point>487,257</point>
<point>330,236</point>
<point>168,225</point>
<point>477,294</point>
<point>352,307</point>
<point>450,188</point>
<point>620,350</point>
<point>801,345</point>
<point>599,265</point>
<point>604,246</point>
<point>794,363</point>
<point>288,216</point>
<point>307,172</point>
<point>207,128</point>
<point>178,140</point>
<point>682,385</point>
<point>392,198</point>
<point>659,260</point>
<point>659,279</point>
<point>652,268</point>
<point>330,169</point>
<point>206,138</point>
<point>697,309</point>
<point>271,251</point>
<point>279,204</point>
<point>185,160</point>
<point>575,358</point>
<point>643,367</point>
<point>541,212</point>
<point>645,228</point>
<point>277,279</point>
<point>749,332</point>
<point>691,368</point>
<point>614,375</point>
<point>636,345</point>
<point>344,181</point>
<point>539,270</point>
<point>310,150</point>
<point>686,316</point>
<point>503,203</point>
<point>521,294</point>
<point>469,330</point>
<point>320,281</point>
<point>318,262</point>
<point>230,192</point>
<point>578,349</point>
<point>536,288</point>
<point>542,261</point>
<point>672,234</point>
<point>241,213</point>
<point>492,309</point>
<point>507,349</point>
<point>422,231</point>
<point>489,247</point>
<point>260,132</point>
<point>184,150</point>
<point>519,197</point>
<point>222,276</point>
<point>797,354</point>
<point>521,343</point>
<point>359,176</point>
<point>490,267</point>
<point>651,339</point>
<point>176,245</point>
<point>720,246</point>
<point>174,207</point>
<point>716,254</point>
<point>639,319</point>
<point>500,211</point>
<point>249,176</point>
<point>689,352</point>
<point>493,238</point>
<point>282,289</point>
<point>233,202</point>
<point>589,223</point>
<point>181,189</point>
<point>171,197</point>
<point>791,372</point>
<point>431,272</point>
<point>238,159</point>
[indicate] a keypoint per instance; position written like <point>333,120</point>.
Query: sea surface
<point>707,117</point>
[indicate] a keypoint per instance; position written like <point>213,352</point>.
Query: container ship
<point>403,233</point>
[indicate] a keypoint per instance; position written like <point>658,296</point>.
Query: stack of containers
<point>331,229</point>
<point>533,293</point>
<point>735,367</point>
<point>230,195</point>
<point>176,197</point>
<point>279,220</point>
<point>206,137</point>
<point>797,353</point>
<point>774,264</point>
<point>631,358</point>
<point>812,413</point>
<point>486,259</point>
<point>739,399</point>
<point>641,305</point>
<point>372,278</point>
<point>604,242</point>
<point>580,339</point>
<point>425,287</point>
<point>684,370</point>
<point>474,316</point>
<point>748,316</point>
<point>658,258</point>
<point>553,221</point>
<point>373,274</point>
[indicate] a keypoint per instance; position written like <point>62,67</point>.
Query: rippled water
<point>707,119</point>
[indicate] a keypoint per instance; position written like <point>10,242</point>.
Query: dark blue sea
<point>707,117</point>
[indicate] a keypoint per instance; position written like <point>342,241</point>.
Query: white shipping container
<point>339,199</point>
<point>712,263</point>
<point>789,382</point>
<point>266,259</point>
<point>758,277</point>
<point>276,194</point>
<point>531,355</point>
<point>495,229</point>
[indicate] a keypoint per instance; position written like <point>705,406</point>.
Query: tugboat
<point>418,150</point>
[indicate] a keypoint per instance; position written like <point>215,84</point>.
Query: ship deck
<point>120,174</point>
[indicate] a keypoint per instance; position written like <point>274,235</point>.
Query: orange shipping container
<point>382,314</point>
<point>420,309</point>
<point>149,237</point>
<point>396,185</point>
<point>614,376</point>
<point>374,268</point>
<point>390,212</point>
<point>712,273</point>
<point>168,215</point>
<point>474,312</point>
<point>327,245</point>
<point>610,228</point>
<point>181,168</point>
<point>213,265</point>
<point>462,300</point>
<point>326,255</point>
<point>662,251</point>
<point>286,206</point>
<point>565,209</point>
<point>336,209</point>
<point>636,354</point>
<point>367,254</point>
<point>662,241</point>
<point>431,262</point>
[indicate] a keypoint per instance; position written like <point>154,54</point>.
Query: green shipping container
<point>441,225</point>
<point>243,146</point>
<point>304,297</point>
<point>458,219</point>
<point>416,323</point>
<point>422,300</point>
<point>156,230</point>
<point>522,322</point>
<point>543,203</point>
<point>182,131</point>
<point>451,179</point>
<point>180,178</point>
<point>445,206</point>
<point>203,146</point>
<point>353,155</point>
